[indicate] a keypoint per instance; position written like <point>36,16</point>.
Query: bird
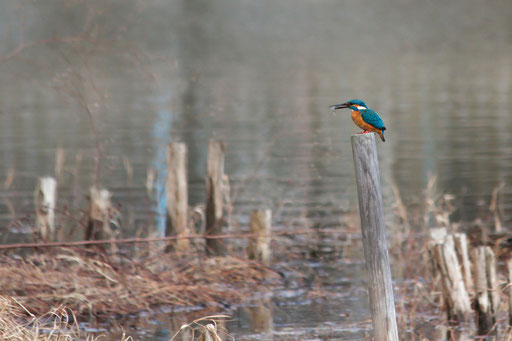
<point>364,117</point>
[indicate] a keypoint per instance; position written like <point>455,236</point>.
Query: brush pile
<point>93,284</point>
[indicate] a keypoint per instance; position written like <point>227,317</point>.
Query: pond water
<point>128,77</point>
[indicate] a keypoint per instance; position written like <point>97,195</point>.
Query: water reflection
<point>161,137</point>
<point>261,318</point>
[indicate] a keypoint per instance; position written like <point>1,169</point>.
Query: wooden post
<point>482,304</point>
<point>150,179</point>
<point>492,282</point>
<point>227,204</point>
<point>177,194</point>
<point>60,157</point>
<point>437,236</point>
<point>461,248</point>
<point>454,290</point>
<point>259,247</point>
<point>100,213</point>
<point>215,190</point>
<point>45,197</point>
<point>486,288</point>
<point>382,303</point>
<point>509,289</point>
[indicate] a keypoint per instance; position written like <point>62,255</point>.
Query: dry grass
<point>18,323</point>
<point>60,324</point>
<point>93,284</point>
<point>208,327</point>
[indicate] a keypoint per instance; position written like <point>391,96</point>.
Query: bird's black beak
<point>339,106</point>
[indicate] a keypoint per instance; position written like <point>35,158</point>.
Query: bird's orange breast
<point>358,120</point>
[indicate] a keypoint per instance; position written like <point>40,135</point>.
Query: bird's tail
<point>381,134</point>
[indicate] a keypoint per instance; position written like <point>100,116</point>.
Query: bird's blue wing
<point>372,118</point>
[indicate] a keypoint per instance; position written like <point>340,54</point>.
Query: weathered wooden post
<point>486,288</point>
<point>509,289</point>
<point>177,195</point>
<point>461,248</point>
<point>100,213</point>
<point>259,246</point>
<point>437,236</point>
<point>215,190</point>
<point>150,180</point>
<point>456,298</point>
<point>382,303</point>
<point>45,197</point>
<point>60,157</point>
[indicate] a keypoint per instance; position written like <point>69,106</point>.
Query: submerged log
<point>215,193</point>
<point>45,198</point>
<point>177,195</point>
<point>382,304</point>
<point>259,246</point>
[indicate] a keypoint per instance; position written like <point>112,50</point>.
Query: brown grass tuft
<point>18,323</point>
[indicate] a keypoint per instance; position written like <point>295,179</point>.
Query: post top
<point>364,135</point>
<point>367,138</point>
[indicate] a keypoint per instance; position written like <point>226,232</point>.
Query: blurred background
<point>111,83</point>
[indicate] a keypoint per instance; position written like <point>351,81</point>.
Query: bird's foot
<point>365,132</point>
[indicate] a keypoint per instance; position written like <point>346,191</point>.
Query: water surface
<point>259,75</point>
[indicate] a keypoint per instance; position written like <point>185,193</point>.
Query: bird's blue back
<point>371,117</point>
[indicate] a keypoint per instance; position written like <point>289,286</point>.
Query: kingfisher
<point>364,117</point>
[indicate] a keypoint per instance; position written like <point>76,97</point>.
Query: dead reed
<point>419,299</point>
<point>19,323</point>
<point>93,284</point>
<point>208,327</point>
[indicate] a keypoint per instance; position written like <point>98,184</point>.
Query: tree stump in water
<point>456,297</point>
<point>259,246</point>
<point>177,195</point>
<point>45,198</point>
<point>215,193</point>
<point>486,288</point>
<point>101,213</point>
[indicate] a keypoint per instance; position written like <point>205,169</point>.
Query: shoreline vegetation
<point>45,294</point>
<point>48,291</point>
<point>60,323</point>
